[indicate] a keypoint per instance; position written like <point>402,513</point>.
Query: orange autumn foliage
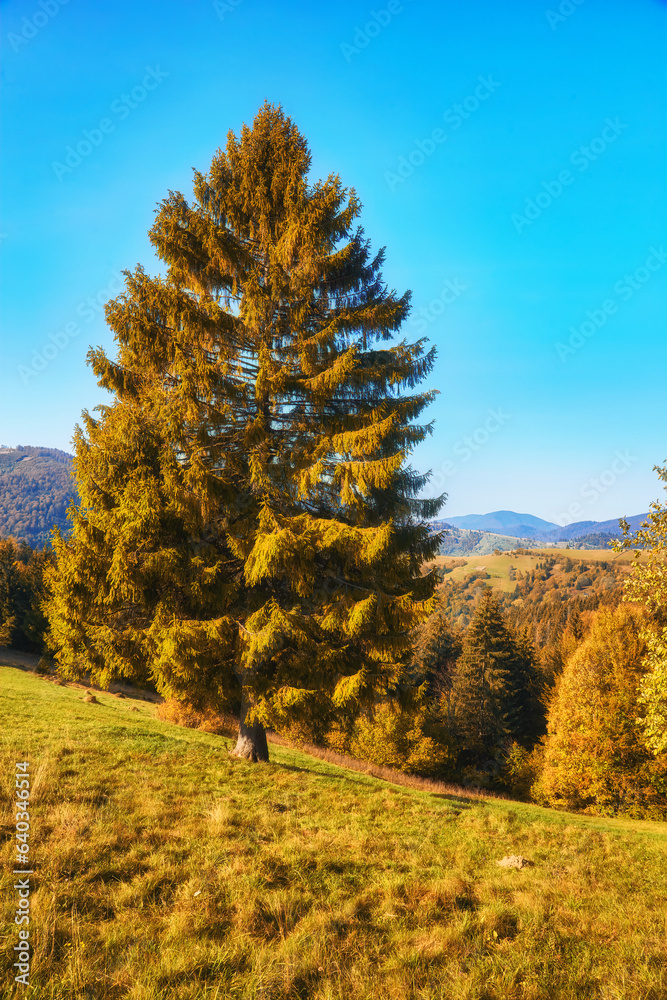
<point>594,755</point>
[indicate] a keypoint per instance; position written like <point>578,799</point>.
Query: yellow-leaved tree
<point>595,757</point>
<point>648,585</point>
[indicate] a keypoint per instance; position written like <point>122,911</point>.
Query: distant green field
<point>166,869</point>
<point>498,566</point>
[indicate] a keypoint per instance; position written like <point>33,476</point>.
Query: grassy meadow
<point>166,869</point>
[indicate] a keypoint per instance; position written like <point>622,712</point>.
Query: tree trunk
<point>251,743</point>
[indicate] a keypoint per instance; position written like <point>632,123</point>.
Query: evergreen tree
<point>482,679</point>
<point>22,624</point>
<point>437,646</point>
<point>496,686</point>
<point>248,532</point>
<point>524,693</point>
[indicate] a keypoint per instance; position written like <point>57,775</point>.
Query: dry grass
<point>384,773</point>
<point>168,870</point>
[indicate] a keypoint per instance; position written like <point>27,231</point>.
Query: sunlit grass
<point>167,869</point>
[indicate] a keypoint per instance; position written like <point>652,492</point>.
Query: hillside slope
<point>465,542</point>
<point>540,586</point>
<point>36,489</point>
<point>561,572</point>
<point>166,868</point>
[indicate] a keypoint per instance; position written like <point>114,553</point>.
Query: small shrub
<point>338,739</point>
<point>209,721</point>
<point>401,739</point>
<point>480,775</point>
<point>521,768</point>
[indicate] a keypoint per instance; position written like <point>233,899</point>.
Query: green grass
<point>166,869</point>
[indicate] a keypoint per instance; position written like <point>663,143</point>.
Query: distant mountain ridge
<point>505,522</point>
<point>527,526</point>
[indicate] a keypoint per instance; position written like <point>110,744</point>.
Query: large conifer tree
<point>248,532</point>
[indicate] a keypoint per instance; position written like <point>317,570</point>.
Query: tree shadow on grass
<point>326,774</point>
<point>462,800</point>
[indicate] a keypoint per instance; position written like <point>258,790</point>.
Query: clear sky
<point>511,157</point>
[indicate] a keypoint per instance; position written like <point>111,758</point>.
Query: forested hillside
<point>35,490</point>
<point>464,542</point>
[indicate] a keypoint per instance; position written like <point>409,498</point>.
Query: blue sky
<point>510,157</point>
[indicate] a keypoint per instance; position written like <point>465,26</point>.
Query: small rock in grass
<point>514,861</point>
<point>91,699</point>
